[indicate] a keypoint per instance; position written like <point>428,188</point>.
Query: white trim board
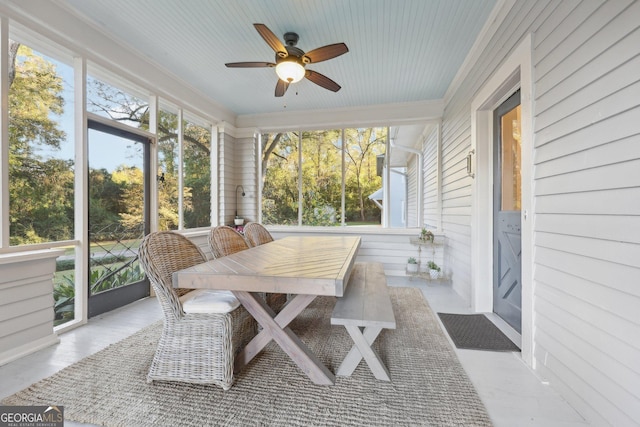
<point>515,72</point>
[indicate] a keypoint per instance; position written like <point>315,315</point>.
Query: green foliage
<point>197,175</point>
<point>433,266</point>
<point>321,174</point>
<point>65,264</point>
<point>40,190</point>
<point>104,201</point>
<point>280,179</point>
<point>70,264</point>
<point>426,235</point>
<point>100,279</point>
<point>63,296</point>
<point>103,279</point>
<point>412,260</point>
<point>168,192</point>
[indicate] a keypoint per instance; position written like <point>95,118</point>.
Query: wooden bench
<point>364,310</point>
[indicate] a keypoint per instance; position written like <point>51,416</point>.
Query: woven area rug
<point>476,332</point>
<point>428,388</point>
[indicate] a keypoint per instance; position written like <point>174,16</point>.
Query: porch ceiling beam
<point>367,116</point>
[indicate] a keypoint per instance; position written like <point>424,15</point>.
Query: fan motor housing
<point>293,52</point>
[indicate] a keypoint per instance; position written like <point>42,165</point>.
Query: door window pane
<point>511,159</point>
<point>116,210</point>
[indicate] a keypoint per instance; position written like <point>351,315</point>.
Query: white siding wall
<point>246,175</point>
<point>456,198</point>
<point>587,190</point>
<point>586,195</point>
<point>226,178</point>
<point>238,166</point>
<point>430,188</point>
<point>412,192</point>
<point>26,303</point>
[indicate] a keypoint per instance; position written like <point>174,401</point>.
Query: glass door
<point>118,215</point>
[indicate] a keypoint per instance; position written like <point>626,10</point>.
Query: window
<point>197,175</point>
<point>41,149</point>
<point>168,162</point>
<point>116,104</point>
<point>41,161</point>
<point>303,177</point>
<point>321,177</point>
<point>280,177</point>
<point>363,146</point>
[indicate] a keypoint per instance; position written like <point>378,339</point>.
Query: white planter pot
<point>238,221</point>
<point>434,274</point>
<point>412,268</point>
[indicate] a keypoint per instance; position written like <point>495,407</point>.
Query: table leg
<point>276,328</point>
<point>362,348</point>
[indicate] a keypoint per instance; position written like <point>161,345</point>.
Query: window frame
<point>299,134</point>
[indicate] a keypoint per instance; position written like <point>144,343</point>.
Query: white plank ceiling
<point>399,50</point>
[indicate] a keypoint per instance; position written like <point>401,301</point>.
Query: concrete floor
<point>512,393</point>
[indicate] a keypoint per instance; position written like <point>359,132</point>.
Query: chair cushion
<point>209,301</point>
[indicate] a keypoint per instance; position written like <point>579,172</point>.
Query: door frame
<point>114,298</point>
<point>515,72</point>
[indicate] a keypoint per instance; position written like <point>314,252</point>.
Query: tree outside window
<point>280,176</point>
<point>320,172</point>
<point>167,174</point>
<point>41,175</point>
<point>197,175</point>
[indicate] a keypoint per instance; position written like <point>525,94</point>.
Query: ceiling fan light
<point>290,71</point>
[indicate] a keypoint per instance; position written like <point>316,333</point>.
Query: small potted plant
<point>426,235</point>
<point>434,270</point>
<point>412,265</point>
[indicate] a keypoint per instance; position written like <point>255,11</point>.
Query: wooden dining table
<point>303,266</point>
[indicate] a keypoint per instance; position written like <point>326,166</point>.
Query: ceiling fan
<point>290,60</point>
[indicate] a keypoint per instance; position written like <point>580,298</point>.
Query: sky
<point>105,151</point>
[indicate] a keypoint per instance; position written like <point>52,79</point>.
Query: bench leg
<point>362,349</point>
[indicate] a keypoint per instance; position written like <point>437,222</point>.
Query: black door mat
<point>476,332</point>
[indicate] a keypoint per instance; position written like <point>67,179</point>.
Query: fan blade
<point>322,80</point>
<point>326,52</point>
<point>250,64</point>
<point>272,40</point>
<point>281,87</point>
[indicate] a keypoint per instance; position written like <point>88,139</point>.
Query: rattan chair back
<point>161,254</point>
<point>224,241</point>
<point>257,234</point>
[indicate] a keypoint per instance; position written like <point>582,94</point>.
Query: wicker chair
<point>195,346</point>
<point>224,241</point>
<point>256,234</point>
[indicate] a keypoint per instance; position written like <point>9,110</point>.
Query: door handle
<point>469,166</point>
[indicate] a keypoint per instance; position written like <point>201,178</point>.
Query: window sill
<point>357,229</point>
